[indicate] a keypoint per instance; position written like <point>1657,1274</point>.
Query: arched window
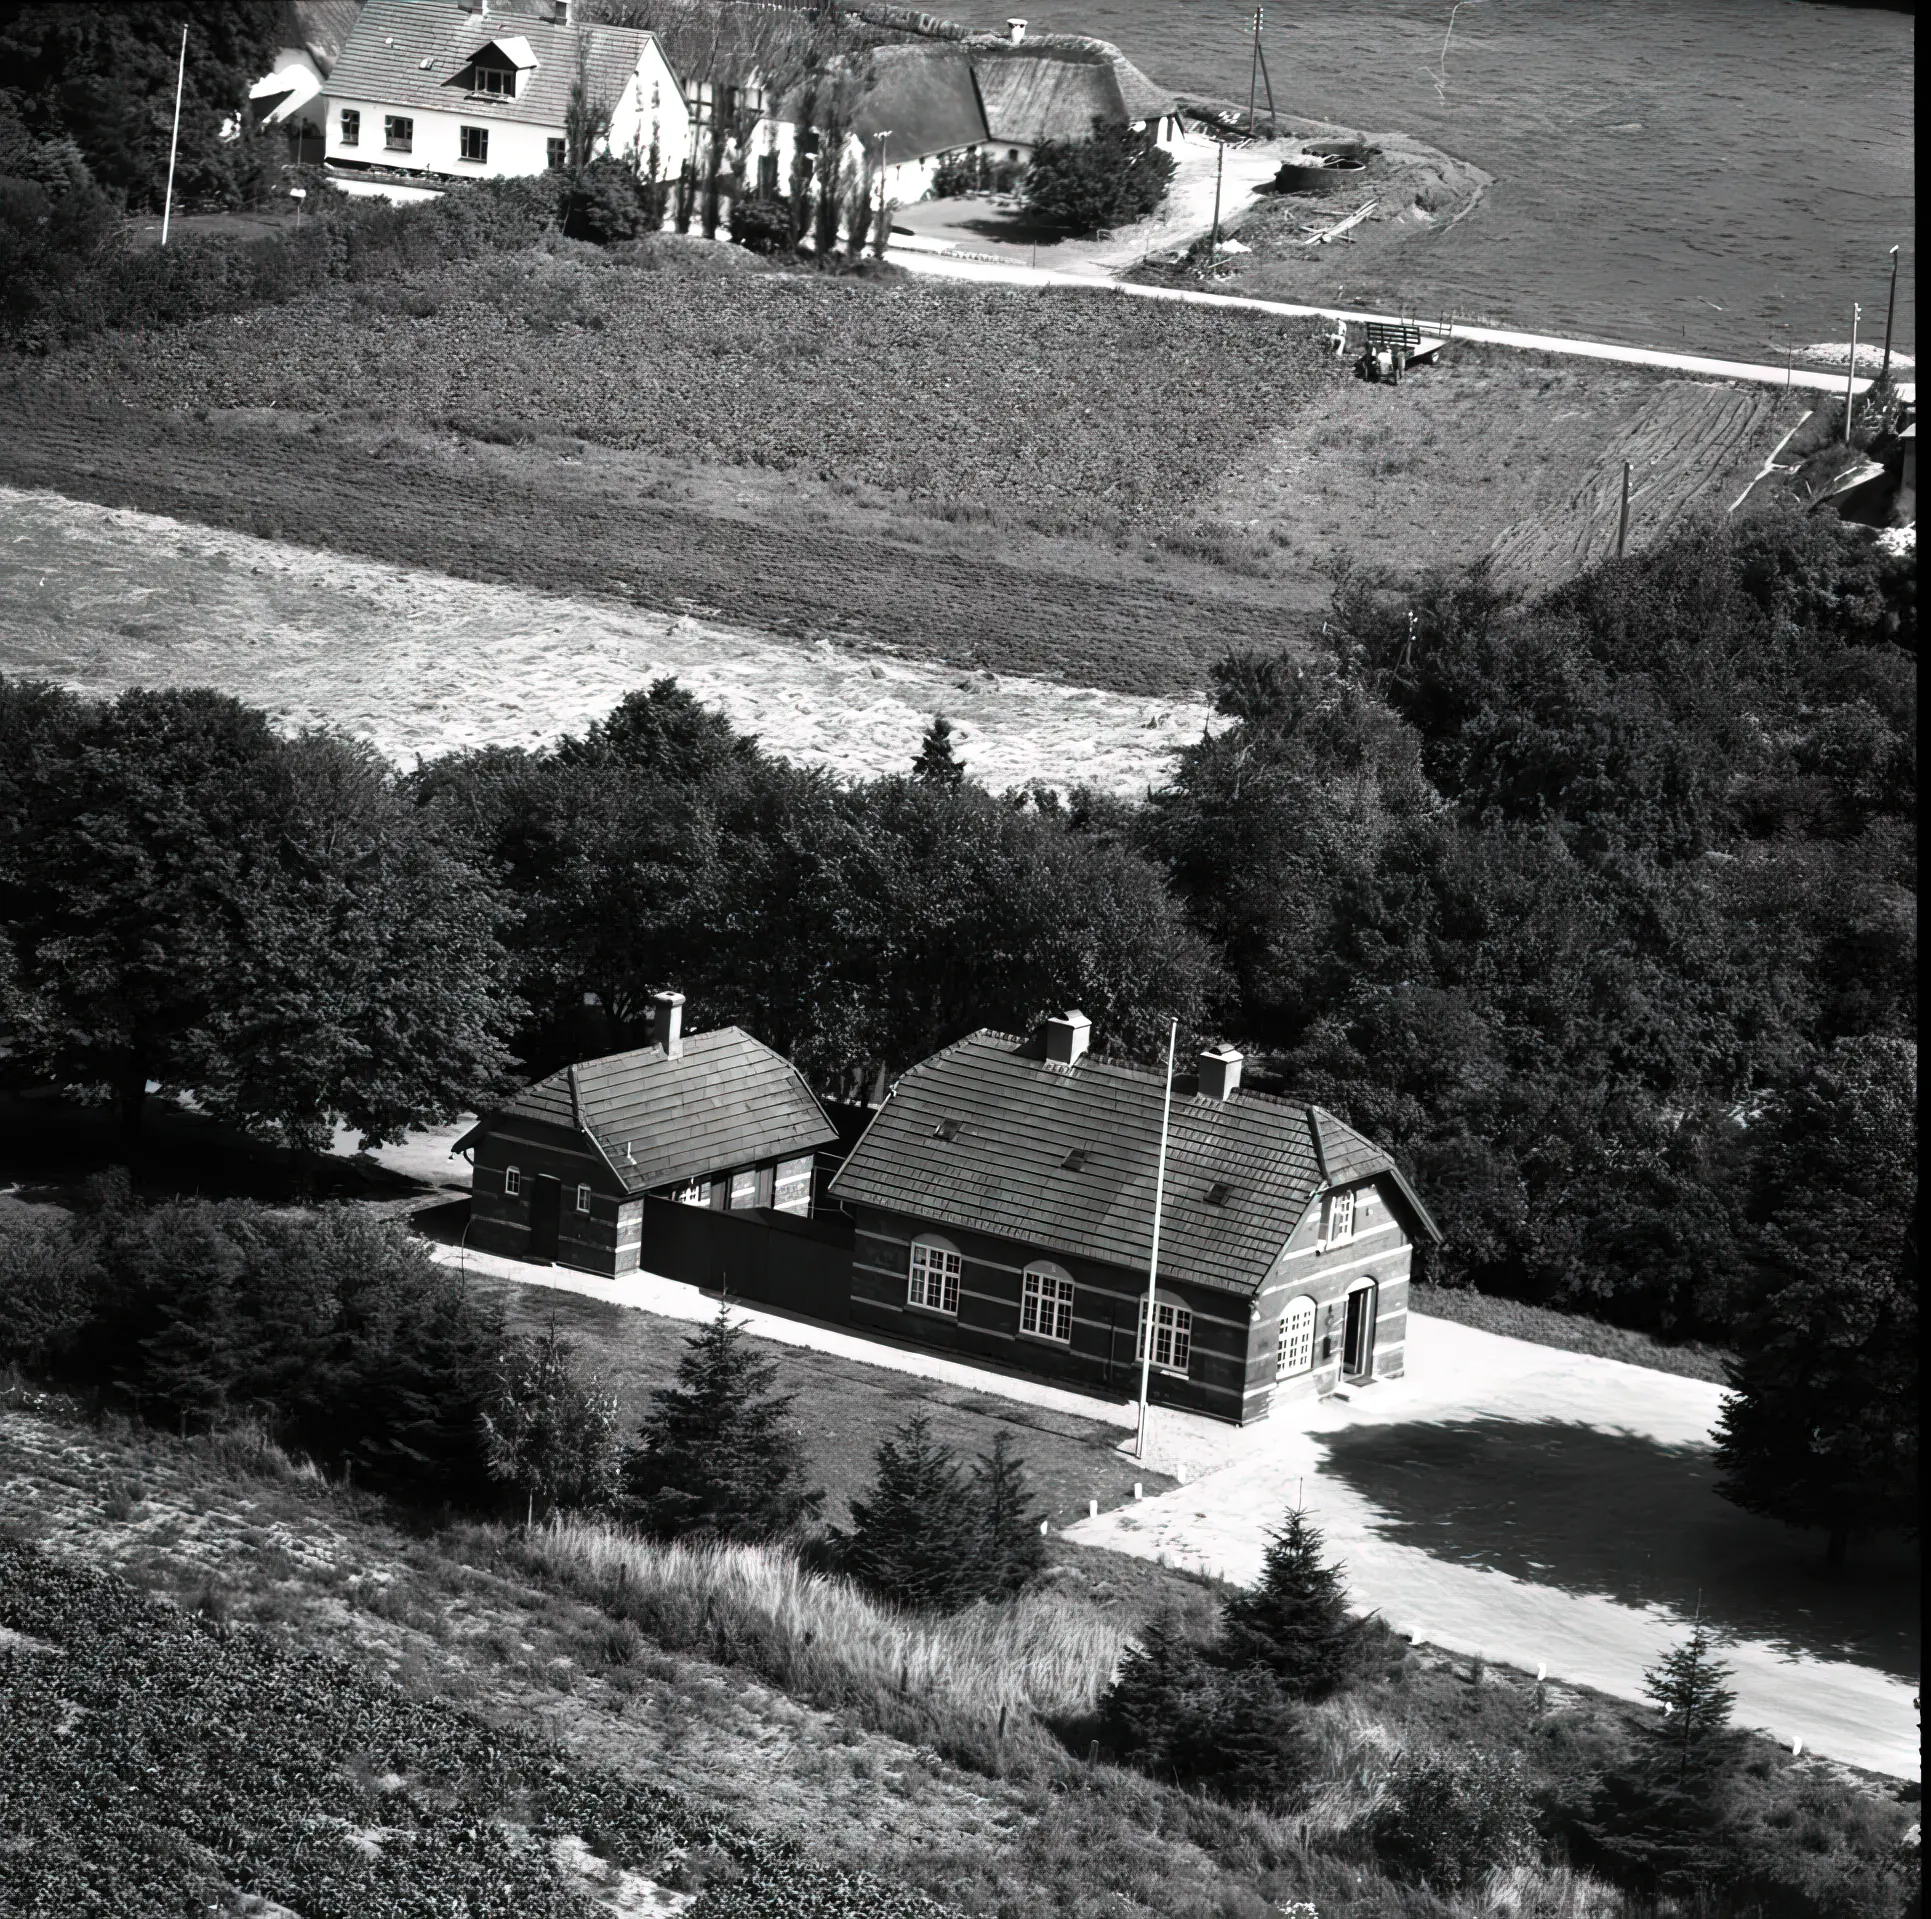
<point>1046,1301</point>
<point>1295,1352</point>
<point>512,1181</point>
<point>936,1271</point>
<point>1172,1335</point>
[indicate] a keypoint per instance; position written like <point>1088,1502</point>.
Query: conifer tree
<point>1153,1712</point>
<point>1658,1823</point>
<point>1253,1747</point>
<point>914,1540</point>
<point>1295,1621</point>
<point>718,1451</point>
<point>1011,1550</point>
<point>938,763</point>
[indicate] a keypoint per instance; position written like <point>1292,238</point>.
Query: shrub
<point>548,1433</point>
<point>1106,180</point>
<point>46,1288</point>
<point>605,201</point>
<point>762,226</point>
<point>1450,1819</point>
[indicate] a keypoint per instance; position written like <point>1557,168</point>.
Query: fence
<point>771,1259</point>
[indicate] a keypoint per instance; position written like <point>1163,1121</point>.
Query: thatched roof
<point>1054,86</point>
<point>925,95</point>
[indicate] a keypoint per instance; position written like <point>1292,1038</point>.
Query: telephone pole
<point>174,142</point>
<point>1147,1329</point>
<point>1850,379</point>
<point>1890,313</point>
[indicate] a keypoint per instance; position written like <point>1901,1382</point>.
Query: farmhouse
<point>1003,1201</point>
<point>1053,86</point>
<point>717,1121</point>
<point>454,92</point>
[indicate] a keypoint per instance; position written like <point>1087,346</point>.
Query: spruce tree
<point>1658,1823</point>
<point>938,763</point>
<point>1011,1549</point>
<point>914,1538</point>
<point>1253,1745</point>
<point>1295,1621</point>
<point>718,1452</point>
<point>1155,1713</point>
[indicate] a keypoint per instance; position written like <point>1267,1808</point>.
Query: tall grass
<point>975,1685</point>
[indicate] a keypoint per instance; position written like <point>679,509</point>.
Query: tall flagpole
<point>174,144</point>
<point>1153,1259</point>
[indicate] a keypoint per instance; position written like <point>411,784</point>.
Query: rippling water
<point>1704,173</point>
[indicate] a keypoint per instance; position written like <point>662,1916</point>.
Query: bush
<point>548,1433</point>
<point>605,201</point>
<point>46,1289</point>
<point>1449,1819</point>
<point>1110,179</point>
<point>762,226</point>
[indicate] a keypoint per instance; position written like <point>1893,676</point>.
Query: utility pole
<point>1220,167</point>
<point>1622,519</point>
<point>1253,72</point>
<point>174,143</point>
<point>883,216</point>
<point>1850,379</point>
<point>1153,1258</point>
<point>1890,313</point>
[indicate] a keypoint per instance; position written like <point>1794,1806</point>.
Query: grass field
<point>363,1657</point>
<point>1105,492</point>
<point>844,1410</point>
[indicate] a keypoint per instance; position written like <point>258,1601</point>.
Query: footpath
<point>942,266</point>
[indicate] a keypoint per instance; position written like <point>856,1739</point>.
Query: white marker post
<point>1153,1258</point>
<point>174,143</point>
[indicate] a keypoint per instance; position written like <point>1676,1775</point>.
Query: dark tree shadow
<point>1612,1514</point>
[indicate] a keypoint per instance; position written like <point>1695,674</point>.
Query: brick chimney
<point>1219,1070</point>
<point>667,1023</point>
<point>1067,1037</point>
<point>1015,31</point>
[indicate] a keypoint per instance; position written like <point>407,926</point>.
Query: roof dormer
<point>495,68</point>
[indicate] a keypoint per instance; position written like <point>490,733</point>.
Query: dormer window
<point>499,81</point>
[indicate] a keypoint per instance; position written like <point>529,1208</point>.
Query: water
<point>1706,174</point>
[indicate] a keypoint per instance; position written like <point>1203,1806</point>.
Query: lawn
<point>844,1409</point>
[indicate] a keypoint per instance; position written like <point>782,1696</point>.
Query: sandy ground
<point>1236,1482</point>
<point>990,228</point>
<point>100,598</point>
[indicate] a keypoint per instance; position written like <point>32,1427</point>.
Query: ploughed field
<point>1085,487</point>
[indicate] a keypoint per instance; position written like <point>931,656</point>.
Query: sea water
<point>1715,175</point>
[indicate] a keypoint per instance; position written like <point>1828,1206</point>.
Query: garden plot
<point>1688,440</point>
<point>418,663</point>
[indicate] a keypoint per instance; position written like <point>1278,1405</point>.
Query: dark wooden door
<point>546,1218</point>
<point>1357,1342</point>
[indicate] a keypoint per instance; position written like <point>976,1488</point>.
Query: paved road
<point>1237,1481</point>
<point>1710,369</point>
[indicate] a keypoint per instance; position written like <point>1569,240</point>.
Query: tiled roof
<point>1054,86</point>
<point>1016,1121</point>
<point>407,53</point>
<point>925,96</point>
<point>726,1101</point>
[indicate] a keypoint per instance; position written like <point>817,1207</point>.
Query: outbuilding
<point>1003,1203</point>
<point>717,1121</point>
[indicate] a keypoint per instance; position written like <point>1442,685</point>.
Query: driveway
<point>1544,1508</point>
<point>1507,1500</point>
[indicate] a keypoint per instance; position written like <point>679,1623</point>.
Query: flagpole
<point>174,143</point>
<point>1153,1258</point>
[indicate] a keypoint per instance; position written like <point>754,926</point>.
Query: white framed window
<point>351,126</point>
<point>500,81</point>
<point>1046,1302</point>
<point>583,1199</point>
<point>1340,1219</point>
<point>1295,1350</point>
<point>936,1271</point>
<point>398,133</point>
<point>512,1181</point>
<point>696,1192</point>
<point>473,144</point>
<point>791,1188</point>
<point>1172,1336</point>
<point>744,1188</point>
<point>554,153</point>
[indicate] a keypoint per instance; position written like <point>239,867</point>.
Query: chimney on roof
<point>560,12</point>
<point>1015,31</point>
<point>1219,1072</point>
<point>1067,1037</point>
<point>667,1023</point>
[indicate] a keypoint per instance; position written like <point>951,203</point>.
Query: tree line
<point>1597,909</point>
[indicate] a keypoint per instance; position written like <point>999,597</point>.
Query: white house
<point>453,91</point>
